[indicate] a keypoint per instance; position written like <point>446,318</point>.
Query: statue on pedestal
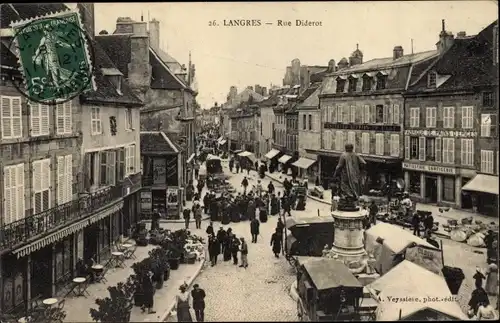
<point>350,168</point>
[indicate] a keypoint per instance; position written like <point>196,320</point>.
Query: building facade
<point>451,142</point>
<point>267,120</point>
<point>245,126</point>
<point>69,178</point>
<point>362,104</point>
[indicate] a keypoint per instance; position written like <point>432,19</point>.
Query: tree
<point>116,307</point>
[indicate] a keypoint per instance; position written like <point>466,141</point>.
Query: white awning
<point>245,154</point>
<point>190,158</point>
<point>483,183</point>
<point>272,153</point>
<point>304,163</point>
<point>283,159</point>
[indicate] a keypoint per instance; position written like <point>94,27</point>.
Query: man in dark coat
<point>210,229</point>
<point>235,247</point>
<point>199,186</point>
<point>186,213</point>
<point>270,188</point>
<point>155,220</point>
<point>415,221</point>
<point>206,203</point>
<point>373,212</point>
<point>287,185</point>
<point>221,237</point>
<point>254,229</point>
<point>213,249</point>
<point>244,183</point>
<point>198,296</point>
<point>276,239</point>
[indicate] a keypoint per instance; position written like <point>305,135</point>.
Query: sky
<point>250,55</point>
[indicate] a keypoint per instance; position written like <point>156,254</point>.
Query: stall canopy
<point>283,159</point>
<point>482,183</point>
<point>190,158</point>
<point>212,157</point>
<point>328,273</point>
<point>304,163</point>
<point>237,151</point>
<point>245,154</point>
<point>422,284</point>
<point>272,153</point>
<point>221,141</point>
<point>395,241</point>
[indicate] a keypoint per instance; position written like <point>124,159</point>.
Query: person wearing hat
<point>244,253</point>
<point>198,296</point>
<point>182,305</point>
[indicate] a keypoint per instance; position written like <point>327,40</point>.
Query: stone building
<point>69,174</point>
<point>157,78</point>
<point>300,75</point>
<point>245,126</point>
<point>362,104</point>
<point>451,108</point>
<point>267,125</point>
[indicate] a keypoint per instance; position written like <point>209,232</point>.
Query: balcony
<point>47,221</point>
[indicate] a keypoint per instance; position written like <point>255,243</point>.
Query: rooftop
<point>157,142</point>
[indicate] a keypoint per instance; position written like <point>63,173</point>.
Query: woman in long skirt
<point>227,245</point>
<point>183,312</point>
<point>263,214</point>
<point>276,242</point>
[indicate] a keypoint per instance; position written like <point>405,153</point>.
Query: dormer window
<point>381,81</point>
<point>114,76</point>
<point>367,83</point>
<point>340,85</point>
<point>353,84</point>
<point>431,80</point>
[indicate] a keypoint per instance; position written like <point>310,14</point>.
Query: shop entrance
<point>431,188</point>
<point>466,196</point>
<point>41,273</point>
<point>90,242</point>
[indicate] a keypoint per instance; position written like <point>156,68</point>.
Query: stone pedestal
<point>348,238</point>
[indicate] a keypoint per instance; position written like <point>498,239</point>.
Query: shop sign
<point>172,196</point>
<point>430,168</point>
<point>441,133</point>
<point>430,259</point>
<point>146,201</point>
<point>366,127</point>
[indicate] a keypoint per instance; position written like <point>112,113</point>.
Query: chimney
<point>124,25</point>
<point>397,52</point>
<point>461,34</point>
<point>139,70</point>
<point>87,16</point>
<point>446,39</point>
<point>154,34</point>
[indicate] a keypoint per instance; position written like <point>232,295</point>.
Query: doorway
<point>431,189</point>
<point>90,241</point>
<point>466,196</point>
<point>41,273</point>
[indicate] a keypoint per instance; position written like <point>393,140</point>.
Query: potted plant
<point>159,264</point>
<point>116,307</point>
<point>141,270</point>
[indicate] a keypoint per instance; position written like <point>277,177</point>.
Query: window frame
<point>467,117</point>
<point>394,145</point>
<point>485,127</point>
<point>448,142</point>
<point>11,117</point>
<point>432,80</point>
<point>129,123</point>
<point>414,117</point>
<point>96,121</point>
<point>45,184</point>
<point>448,117</point>
<point>467,151</point>
<point>487,164</point>
<point>39,119</point>
<point>66,118</point>
<point>430,117</point>
<point>379,144</point>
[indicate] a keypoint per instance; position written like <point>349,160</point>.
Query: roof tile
<point>19,11</point>
<point>155,142</point>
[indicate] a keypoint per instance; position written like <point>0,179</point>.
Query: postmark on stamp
<point>54,57</point>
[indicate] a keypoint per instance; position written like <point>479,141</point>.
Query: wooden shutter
<point>20,192</point>
<point>37,187</point>
<point>417,117</point>
<point>463,150</point>
<point>46,183</point>
<point>44,119</point>
<point>438,149</point>
<point>68,117</point>
<point>69,177</point>
<point>60,118</point>
<point>387,143</point>
<point>395,114</point>
<point>86,172</point>
<point>493,125</point>
<point>61,180</point>
<point>452,117</point>
<point>103,168</point>
<point>421,149</point>
<point>339,114</point>
<point>132,158</point>
<point>6,117</point>
<point>407,147</point>
<point>334,114</point>
<point>373,143</point>
<point>35,122</point>
<point>7,195</point>
<point>385,116</point>
<point>17,123</point>
<point>111,171</point>
<point>373,114</point>
<point>359,114</point>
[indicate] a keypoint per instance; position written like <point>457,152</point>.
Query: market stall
<point>390,244</point>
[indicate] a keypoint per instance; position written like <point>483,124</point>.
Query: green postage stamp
<point>54,57</point>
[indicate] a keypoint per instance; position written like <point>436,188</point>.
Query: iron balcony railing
<point>45,222</point>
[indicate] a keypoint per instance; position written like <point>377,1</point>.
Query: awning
<point>237,151</point>
<point>272,153</point>
<point>283,159</point>
<point>245,154</point>
<point>483,183</point>
<point>190,158</point>
<point>304,163</point>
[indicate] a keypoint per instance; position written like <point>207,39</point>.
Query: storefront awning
<point>483,183</point>
<point>304,163</point>
<point>284,159</point>
<point>272,153</point>
<point>190,159</point>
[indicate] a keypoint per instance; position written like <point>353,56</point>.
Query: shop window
<point>414,183</point>
<point>63,268</point>
<point>430,149</point>
<point>414,145</point>
<point>449,189</point>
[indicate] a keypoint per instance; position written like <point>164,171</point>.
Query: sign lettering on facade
<point>430,168</point>
<point>441,133</point>
<point>368,127</point>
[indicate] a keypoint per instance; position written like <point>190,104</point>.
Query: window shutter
<point>6,118</point>
<point>339,114</point>
<point>373,143</point>
<point>463,151</point>
<point>69,177</point>
<point>385,116</point>
<point>61,180</point>
<point>407,147</point>
<point>44,119</point>
<point>17,124</point>
<point>60,118</point>
<point>112,168</point>
<point>387,144</point>
<point>421,149</point>
<point>366,114</point>
<point>451,117</point>
<point>390,113</point>
<point>334,114</point>
<point>395,114</point>
<point>346,116</point>
<point>35,122</point>
<point>417,117</point>
<point>68,117</point>
<point>7,189</point>
<point>46,183</point>
<point>37,187</point>
<point>132,153</point>
<point>438,149</point>
<point>493,125</point>
<point>451,151</point>
<point>373,114</point>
